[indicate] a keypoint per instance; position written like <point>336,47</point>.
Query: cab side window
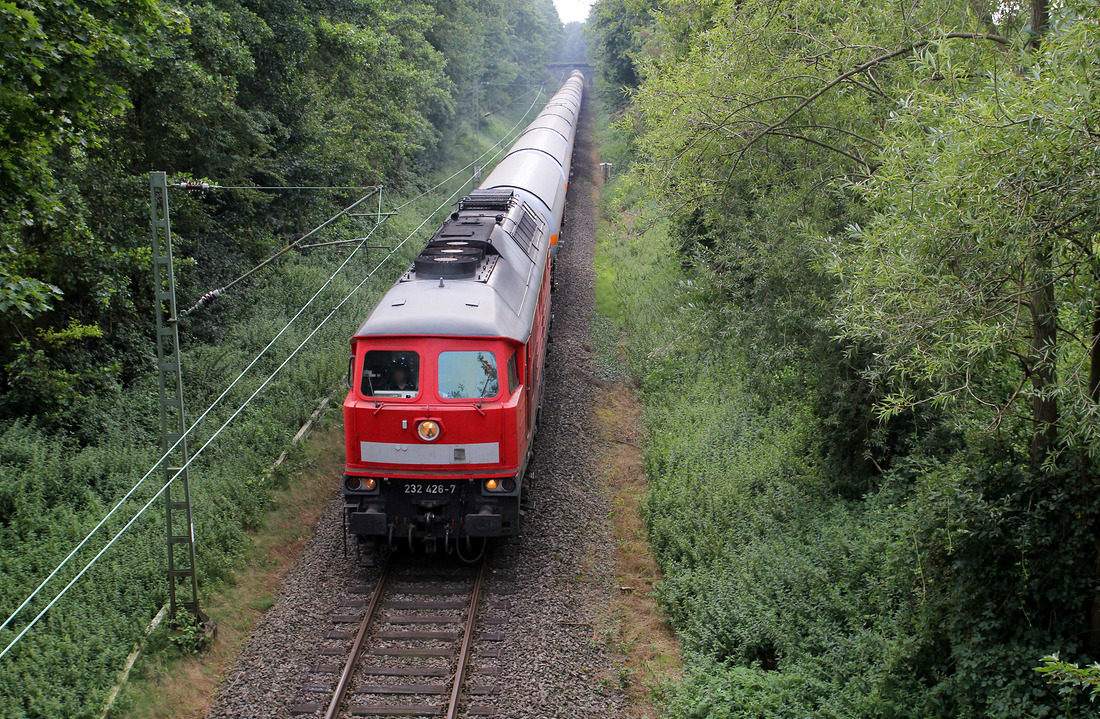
<point>513,374</point>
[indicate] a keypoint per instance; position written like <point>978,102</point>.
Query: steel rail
<point>357,645</point>
<point>467,640</point>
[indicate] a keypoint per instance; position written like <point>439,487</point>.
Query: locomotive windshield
<point>468,375</point>
<point>391,373</point>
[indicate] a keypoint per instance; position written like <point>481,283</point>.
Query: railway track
<point>407,646</point>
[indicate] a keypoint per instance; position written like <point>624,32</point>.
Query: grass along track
<point>166,685</point>
<point>649,650</point>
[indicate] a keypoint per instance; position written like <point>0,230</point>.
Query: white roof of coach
<point>500,299</point>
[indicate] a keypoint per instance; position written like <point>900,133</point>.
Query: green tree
<point>63,67</point>
<point>977,275</point>
<point>618,31</point>
<point>572,48</point>
<point>754,117</point>
<point>887,214</point>
<point>277,92</point>
<point>62,76</point>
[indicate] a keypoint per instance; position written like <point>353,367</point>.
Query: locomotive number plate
<point>433,488</point>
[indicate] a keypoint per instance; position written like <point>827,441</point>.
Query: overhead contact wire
<point>225,424</point>
<point>226,391</point>
<point>209,296</point>
<point>439,184</point>
<point>191,185</point>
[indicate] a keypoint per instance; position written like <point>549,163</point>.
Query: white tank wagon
<point>537,167</point>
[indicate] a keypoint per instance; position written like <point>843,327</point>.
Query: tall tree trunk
<point>1044,340</point>
<point>1092,641</point>
<point>1040,18</point>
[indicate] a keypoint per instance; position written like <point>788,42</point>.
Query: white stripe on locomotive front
<point>389,453</point>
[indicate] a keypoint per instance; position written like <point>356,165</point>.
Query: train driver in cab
<point>401,379</point>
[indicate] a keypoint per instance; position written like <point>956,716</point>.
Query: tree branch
<point>873,62</point>
<point>825,145</point>
<point>841,130</point>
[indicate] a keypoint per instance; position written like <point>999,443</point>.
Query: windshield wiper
<point>370,384</point>
<point>483,388</point>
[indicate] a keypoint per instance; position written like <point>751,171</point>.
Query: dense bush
<point>872,390</point>
<point>934,595</point>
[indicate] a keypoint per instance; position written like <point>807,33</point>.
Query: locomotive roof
<point>498,301</point>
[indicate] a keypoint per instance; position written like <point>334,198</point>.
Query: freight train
<point>446,374</point>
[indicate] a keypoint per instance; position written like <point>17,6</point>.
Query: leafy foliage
<point>572,48</point>
<point>854,259</point>
<point>345,93</point>
<point>618,31</point>
<point>929,596</point>
<point>62,76</point>
<point>985,195</point>
<point>1072,678</point>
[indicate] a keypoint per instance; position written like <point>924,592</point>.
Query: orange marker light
<point>370,483</point>
<point>491,485</point>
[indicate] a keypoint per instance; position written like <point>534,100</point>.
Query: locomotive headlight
<point>428,430</point>
<point>370,483</point>
<point>353,483</point>
<point>491,485</point>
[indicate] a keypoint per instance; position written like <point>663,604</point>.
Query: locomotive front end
<point>431,432</point>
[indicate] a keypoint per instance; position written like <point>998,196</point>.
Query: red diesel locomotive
<point>446,373</point>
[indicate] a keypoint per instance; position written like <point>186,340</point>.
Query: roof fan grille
<point>445,266</point>
<point>500,200</point>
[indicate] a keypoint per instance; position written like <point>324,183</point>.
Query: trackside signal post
<point>183,586</point>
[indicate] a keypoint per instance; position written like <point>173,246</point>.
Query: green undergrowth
<point>796,593</point>
<point>56,485</point>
